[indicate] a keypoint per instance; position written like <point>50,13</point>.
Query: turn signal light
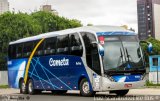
<point>128,85</point>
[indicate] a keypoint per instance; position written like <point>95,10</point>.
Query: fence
<point>3,72</point>
<point>3,78</point>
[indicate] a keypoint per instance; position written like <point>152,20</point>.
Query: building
<point>46,7</point>
<point>49,9</point>
<point>148,18</point>
<point>4,6</point>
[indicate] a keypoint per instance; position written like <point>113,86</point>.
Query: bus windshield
<point>122,53</point>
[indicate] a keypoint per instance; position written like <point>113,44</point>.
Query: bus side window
<point>12,51</point>
<point>92,55</point>
<point>95,61</point>
<point>50,44</point>
<point>39,51</point>
<point>75,45</point>
<point>19,48</point>
<point>63,44</point>
<point>88,38</point>
<point>27,49</point>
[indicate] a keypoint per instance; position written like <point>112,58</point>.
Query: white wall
<point>3,78</point>
<point>153,77</point>
<point>157,20</point>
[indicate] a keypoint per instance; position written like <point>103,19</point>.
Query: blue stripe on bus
<point>50,73</point>
<point>115,33</point>
<point>127,78</point>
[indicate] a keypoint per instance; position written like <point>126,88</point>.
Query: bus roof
<point>96,29</point>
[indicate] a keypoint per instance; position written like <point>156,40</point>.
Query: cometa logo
<point>62,62</point>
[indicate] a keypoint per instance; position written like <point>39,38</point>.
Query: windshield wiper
<point>128,56</point>
<point>120,58</point>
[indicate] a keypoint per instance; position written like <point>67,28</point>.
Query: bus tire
<point>85,89</point>
<point>30,87</point>
<point>23,87</point>
<point>120,92</point>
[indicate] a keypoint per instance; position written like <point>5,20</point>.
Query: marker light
<point>101,40</point>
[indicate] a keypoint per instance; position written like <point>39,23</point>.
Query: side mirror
<point>150,47</point>
<point>101,49</point>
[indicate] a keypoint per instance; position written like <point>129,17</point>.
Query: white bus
<point>90,59</point>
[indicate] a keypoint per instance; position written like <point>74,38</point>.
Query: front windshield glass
<point>121,53</point>
<point>113,55</point>
<point>132,50</point>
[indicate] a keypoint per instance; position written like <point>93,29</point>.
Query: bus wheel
<point>85,89</point>
<point>23,87</point>
<point>120,92</point>
<point>31,89</point>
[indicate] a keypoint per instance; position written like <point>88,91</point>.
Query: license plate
<point>128,85</point>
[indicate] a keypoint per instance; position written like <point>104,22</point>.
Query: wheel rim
<point>23,87</point>
<point>86,87</point>
<point>30,86</point>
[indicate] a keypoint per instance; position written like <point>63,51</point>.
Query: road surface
<point>148,94</point>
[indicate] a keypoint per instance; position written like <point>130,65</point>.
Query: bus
<point>90,59</point>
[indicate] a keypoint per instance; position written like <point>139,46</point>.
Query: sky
<point>96,12</point>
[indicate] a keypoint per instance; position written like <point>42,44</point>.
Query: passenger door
<point>92,60</point>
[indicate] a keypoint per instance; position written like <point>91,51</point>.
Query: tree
<point>50,22</point>
<point>14,26</point>
<point>156,48</point>
<point>125,26</point>
<point>89,24</point>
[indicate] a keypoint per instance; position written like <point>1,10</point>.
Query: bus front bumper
<point>108,85</point>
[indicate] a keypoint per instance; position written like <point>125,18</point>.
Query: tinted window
<point>12,51</point>
<point>50,44</point>
<point>88,38</point>
<point>39,50</point>
<point>75,45</point>
<point>27,49</point>
<point>95,61</point>
<point>19,48</point>
<point>62,44</point>
<point>92,55</point>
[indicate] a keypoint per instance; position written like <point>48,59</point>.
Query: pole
<point>157,74</point>
<point>157,70</point>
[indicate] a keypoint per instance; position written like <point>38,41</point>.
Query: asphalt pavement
<point>148,94</point>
